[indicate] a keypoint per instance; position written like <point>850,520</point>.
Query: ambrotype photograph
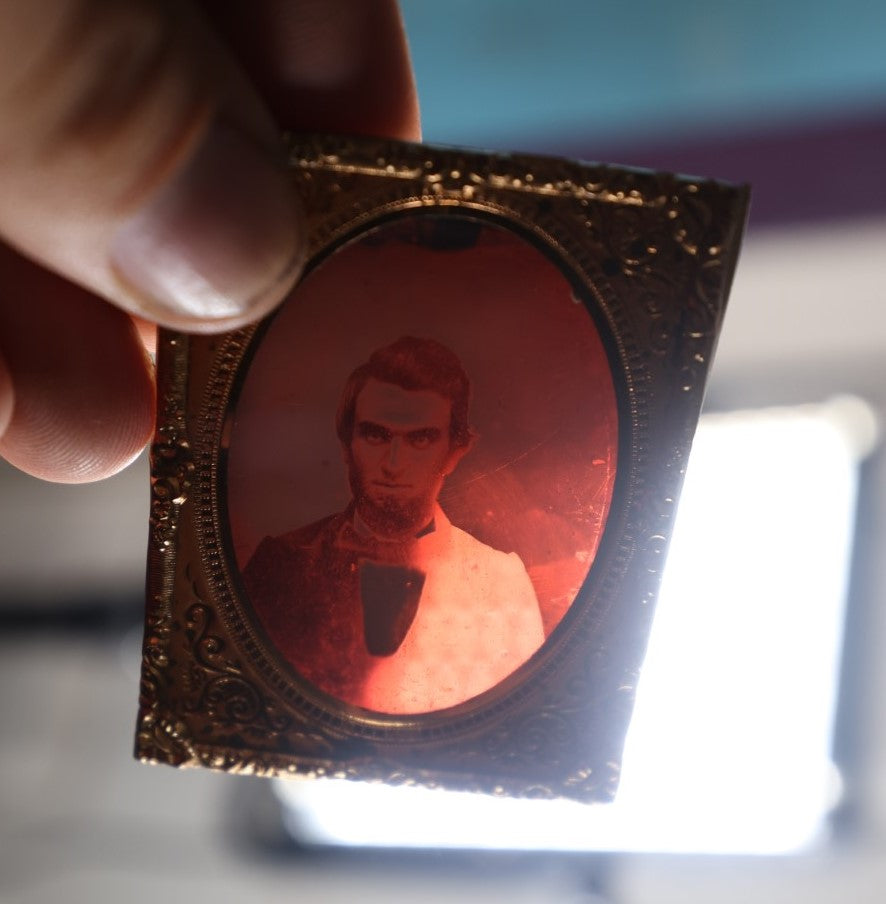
<point>411,527</point>
<point>420,464</point>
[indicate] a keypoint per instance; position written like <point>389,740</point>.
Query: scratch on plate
<point>514,460</point>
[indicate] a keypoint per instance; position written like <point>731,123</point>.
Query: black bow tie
<point>390,595</point>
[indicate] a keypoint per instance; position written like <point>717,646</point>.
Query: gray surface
<point>72,543</point>
<point>83,822</point>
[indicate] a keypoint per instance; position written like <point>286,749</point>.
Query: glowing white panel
<point>728,750</point>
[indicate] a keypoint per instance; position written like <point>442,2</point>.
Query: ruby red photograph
<point>420,463</point>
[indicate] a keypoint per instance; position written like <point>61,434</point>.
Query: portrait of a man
<point>387,605</point>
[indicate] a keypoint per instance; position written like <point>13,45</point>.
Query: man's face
<point>399,455</point>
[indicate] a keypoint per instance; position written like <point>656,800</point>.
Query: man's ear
<point>456,454</point>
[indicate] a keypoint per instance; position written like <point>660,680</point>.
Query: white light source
<point>728,749</point>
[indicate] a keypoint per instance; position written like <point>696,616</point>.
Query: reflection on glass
<point>421,464</point>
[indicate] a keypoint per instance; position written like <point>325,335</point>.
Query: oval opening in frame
<point>421,463</point>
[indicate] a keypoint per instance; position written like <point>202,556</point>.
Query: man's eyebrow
<point>372,425</point>
<point>382,428</point>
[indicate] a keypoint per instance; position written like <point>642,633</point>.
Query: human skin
<point>399,456</point>
<point>142,183</point>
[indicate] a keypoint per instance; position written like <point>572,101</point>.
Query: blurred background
<point>756,766</point>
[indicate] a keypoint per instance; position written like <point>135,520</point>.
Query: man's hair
<point>416,365</point>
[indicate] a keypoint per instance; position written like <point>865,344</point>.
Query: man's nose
<point>395,454</point>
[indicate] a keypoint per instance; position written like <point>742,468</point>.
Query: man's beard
<point>389,516</point>
<point>386,514</point>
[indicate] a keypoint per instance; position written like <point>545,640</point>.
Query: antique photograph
<point>410,527</point>
<point>420,464</point>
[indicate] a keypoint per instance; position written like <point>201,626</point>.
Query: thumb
<point>136,161</point>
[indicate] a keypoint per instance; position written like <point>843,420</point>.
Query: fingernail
<point>219,245</point>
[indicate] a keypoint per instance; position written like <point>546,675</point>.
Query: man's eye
<point>374,434</point>
<point>421,439</point>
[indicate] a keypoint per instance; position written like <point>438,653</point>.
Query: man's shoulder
<point>469,546</point>
<point>300,541</point>
<point>311,535</point>
<point>499,581</point>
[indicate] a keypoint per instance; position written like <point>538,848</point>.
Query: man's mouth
<point>390,485</point>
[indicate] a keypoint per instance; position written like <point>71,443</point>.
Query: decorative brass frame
<point>653,254</point>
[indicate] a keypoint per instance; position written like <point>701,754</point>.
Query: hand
<point>141,183</point>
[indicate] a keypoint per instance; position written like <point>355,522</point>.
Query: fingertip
<point>7,398</point>
<point>140,163</point>
<point>219,245</point>
<point>147,333</point>
<point>86,434</point>
<point>82,383</point>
